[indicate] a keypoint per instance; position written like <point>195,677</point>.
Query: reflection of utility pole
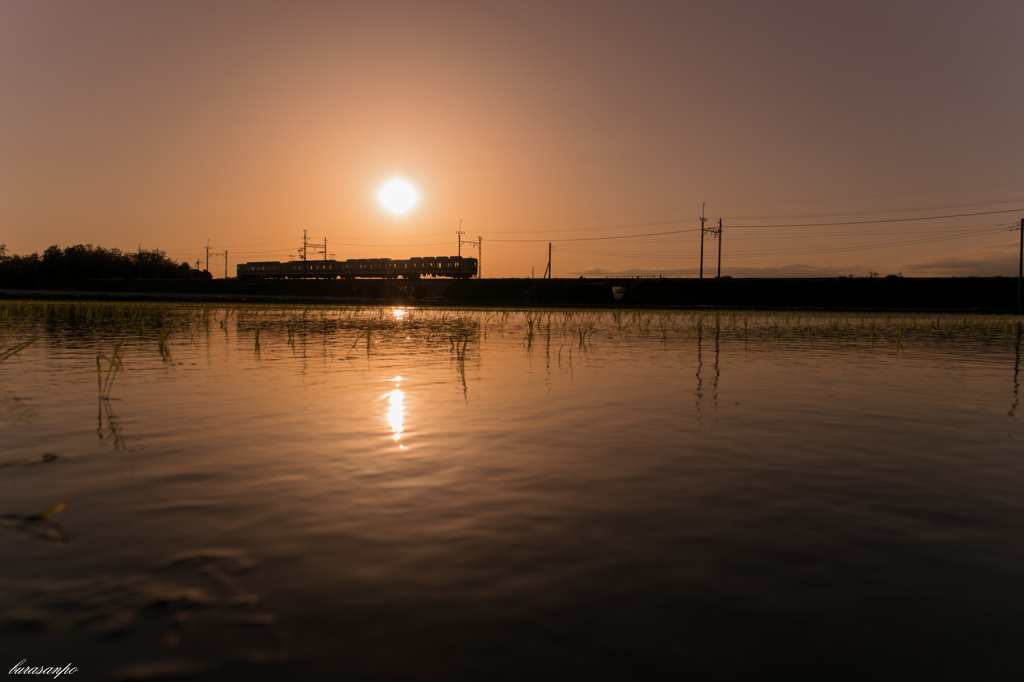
<point>1016,372</point>
<point>702,221</point>
<point>1020,264</point>
<point>700,383</point>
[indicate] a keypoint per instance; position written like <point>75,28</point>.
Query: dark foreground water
<point>486,495</point>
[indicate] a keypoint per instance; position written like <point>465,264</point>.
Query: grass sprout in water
<point>590,328</point>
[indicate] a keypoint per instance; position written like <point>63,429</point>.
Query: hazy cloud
<point>987,261</point>
<point>999,260</point>
<point>794,270</point>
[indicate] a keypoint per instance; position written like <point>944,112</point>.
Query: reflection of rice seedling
<point>257,337</point>
<point>38,524</point>
<point>367,332</point>
<point>7,352</point>
<point>105,382</point>
<point>585,331</point>
<point>528,339</point>
<point>459,343</point>
<point>165,334</point>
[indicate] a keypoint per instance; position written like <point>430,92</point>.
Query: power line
<point>849,222</point>
<point>874,196</point>
<point>754,203</point>
<point>753,254</point>
<point>832,234</point>
<point>836,249</point>
<point>593,239</point>
<point>884,210</point>
<point>889,220</point>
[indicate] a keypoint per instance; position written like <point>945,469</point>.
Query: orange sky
<point>170,123</point>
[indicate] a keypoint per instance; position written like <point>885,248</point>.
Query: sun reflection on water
<point>396,411</point>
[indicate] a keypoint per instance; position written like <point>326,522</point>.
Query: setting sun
<point>397,196</point>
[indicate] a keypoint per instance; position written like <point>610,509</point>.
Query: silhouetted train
<point>413,268</point>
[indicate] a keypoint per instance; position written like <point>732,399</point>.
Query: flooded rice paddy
<point>251,492</point>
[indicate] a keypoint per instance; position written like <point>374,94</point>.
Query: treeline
<point>86,261</point>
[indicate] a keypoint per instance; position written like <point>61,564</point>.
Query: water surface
<point>276,493</point>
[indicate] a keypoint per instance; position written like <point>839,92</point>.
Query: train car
<point>457,267</point>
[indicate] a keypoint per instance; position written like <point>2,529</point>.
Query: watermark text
<point>22,668</point>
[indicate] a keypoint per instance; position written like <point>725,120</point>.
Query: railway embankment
<point>982,294</point>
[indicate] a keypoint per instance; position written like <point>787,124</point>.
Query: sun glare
<point>397,196</point>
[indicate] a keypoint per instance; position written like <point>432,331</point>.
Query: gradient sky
<point>170,123</point>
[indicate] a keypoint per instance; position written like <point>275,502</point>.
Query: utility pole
<point>547,271</point>
<point>479,244</point>
<point>319,248</point>
<point>225,263</point>
<point>140,261</point>
<point>719,248</point>
<point>304,266</point>
<point>702,221</point>
<point>459,234</point>
<point>207,255</point>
